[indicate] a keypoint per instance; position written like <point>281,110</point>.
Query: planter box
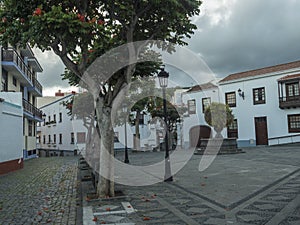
<point>218,146</point>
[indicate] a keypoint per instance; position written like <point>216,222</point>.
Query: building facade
<point>19,69</point>
<point>58,133</point>
<point>265,103</point>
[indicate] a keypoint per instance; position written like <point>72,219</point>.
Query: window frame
<point>233,129</point>
<point>14,81</point>
<point>79,140</point>
<point>191,107</point>
<point>233,104</point>
<point>294,89</point>
<point>60,117</point>
<point>60,138</point>
<point>297,121</point>
<point>261,92</point>
<point>72,138</point>
<point>205,105</point>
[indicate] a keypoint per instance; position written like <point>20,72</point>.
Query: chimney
<point>59,93</point>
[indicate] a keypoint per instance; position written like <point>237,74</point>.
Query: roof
<point>262,71</point>
<point>289,77</point>
<point>202,87</point>
<point>58,100</point>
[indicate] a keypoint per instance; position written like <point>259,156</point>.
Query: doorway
<point>261,130</point>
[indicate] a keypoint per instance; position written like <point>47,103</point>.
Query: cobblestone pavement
<point>44,192</point>
<point>259,187</point>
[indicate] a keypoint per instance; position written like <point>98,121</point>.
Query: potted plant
<point>219,116</point>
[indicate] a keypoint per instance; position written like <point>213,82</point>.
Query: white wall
<point>11,123</point>
<point>193,120</point>
<point>245,111</point>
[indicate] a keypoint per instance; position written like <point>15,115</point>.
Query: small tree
<point>219,116</point>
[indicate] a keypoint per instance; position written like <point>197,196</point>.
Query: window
<point>30,133</point>
<point>205,103</point>
<point>116,137</point>
<point>60,117</point>
<point>81,137</point>
<point>192,106</point>
<point>54,138</point>
<point>44,122</point>
<point>49,139</point>
<point>72,138</point>
<point>259,96</point>
<point>292,89</point>
<point>230,99</point>
<point>44,139</point>
<point>141,118</point>
<point>294,123</point>
<point>4,84</point>
<point>38,139</point>
<point>60,138</point>
<point>14,81</point>
<point>34,128</point>
<point>22,90</point>
<point>232,130</point>
<point>49,118</point>
<point>54,118</point>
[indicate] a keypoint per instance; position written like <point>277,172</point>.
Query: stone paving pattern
<point>263,188</point>
<point>44,192</point>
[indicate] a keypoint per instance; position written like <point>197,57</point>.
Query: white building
<point>197,99</point>
<point>20,88</point>
<point>265,103</point>
<point>59,134</point>
<point>11,121</point>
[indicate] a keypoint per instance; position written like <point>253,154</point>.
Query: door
<point>198,132</point>
<point>261,130</point>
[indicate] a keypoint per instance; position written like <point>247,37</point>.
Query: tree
<point>80,107</point>
<point>81,31</point>
<point>219,116</point>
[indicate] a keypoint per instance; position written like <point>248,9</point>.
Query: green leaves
<point>219,116</point>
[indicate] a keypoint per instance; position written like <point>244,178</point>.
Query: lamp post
<point>126,160</point>
<point>163,82</point>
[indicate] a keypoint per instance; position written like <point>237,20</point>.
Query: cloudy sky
<point>232,36</point>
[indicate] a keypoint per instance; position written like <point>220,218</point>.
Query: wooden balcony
<point>14,63</point>
<point>32,110</point>
<point>289,102</point>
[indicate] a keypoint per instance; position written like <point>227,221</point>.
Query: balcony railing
<point>10,55</point>
<point>31,109</point>
<point>289,102</point>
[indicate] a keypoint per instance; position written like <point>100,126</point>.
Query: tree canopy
<point>79,32</point>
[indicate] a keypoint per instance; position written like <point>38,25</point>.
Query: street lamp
<point>126,160</point>
<point>163,82</point>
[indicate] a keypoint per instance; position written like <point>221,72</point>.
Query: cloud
<point>53,68</point>
<point>252,34</point>
<point>232,36</point>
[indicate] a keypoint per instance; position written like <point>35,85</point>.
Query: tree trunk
<point>105,186</point>
<point>137,131</point>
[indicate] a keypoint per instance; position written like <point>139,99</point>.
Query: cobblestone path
<point>44,192</point>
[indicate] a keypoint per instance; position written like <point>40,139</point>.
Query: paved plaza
<point>261,186</point>
<point>44,192</point>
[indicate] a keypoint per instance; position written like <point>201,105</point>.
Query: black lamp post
<point>126,160</point>
<point>163,82</point>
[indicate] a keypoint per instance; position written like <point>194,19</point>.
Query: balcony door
<point>4,81</point>
<point>261,130</point>
<point>292,90</point>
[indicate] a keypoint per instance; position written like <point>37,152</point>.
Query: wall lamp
<point>241,93</point>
